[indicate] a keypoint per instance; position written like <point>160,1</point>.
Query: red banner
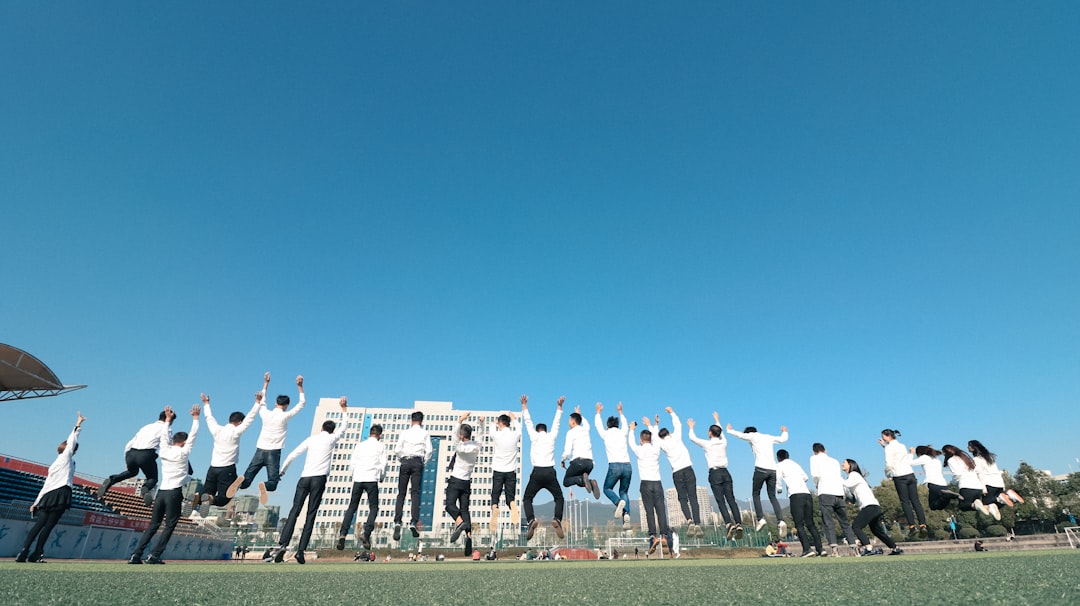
<point>99,519</point>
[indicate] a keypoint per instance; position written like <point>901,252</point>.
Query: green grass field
<point>1035,577</point>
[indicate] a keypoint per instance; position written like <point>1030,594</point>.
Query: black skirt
<point>56,500</point>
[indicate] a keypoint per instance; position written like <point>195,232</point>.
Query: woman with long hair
<point>962,468</point>
<point>869,509</point>
<point>54,498</point>
<point>927,457</point>
<point>993,483</point>
<point>898,467</point>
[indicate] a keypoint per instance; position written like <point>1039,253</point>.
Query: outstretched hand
<point>669,410</point>
<point>562,400</point>
<point>195,411</point>
<point>205,399</point>
<point>343,402</point>
<point>599,408</point>
<point>716,417</point>
<point>524,401</point>
<point>81,419</point>
<point>690,423</point>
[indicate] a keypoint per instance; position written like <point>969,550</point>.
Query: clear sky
<point>837,216</point>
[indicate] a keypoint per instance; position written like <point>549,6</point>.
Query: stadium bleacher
<point>24,486</point>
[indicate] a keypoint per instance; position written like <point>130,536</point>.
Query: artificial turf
<point>1036,577</point>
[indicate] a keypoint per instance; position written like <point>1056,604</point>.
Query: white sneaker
<point>782,528</point>
<point>620,508</point>
<point>981,508</point>
<point>994,512</point>
<point>760,524</point>
<point>626,521</point>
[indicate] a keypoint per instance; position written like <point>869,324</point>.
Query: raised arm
<point>623,426</point>
<point>211,422</point>
<point>344,424</point>
<point>676,424</point>
<point>300,401</point>
<point>598,421</point>
<point>558,417</point>
<point>690,432</point>
<point>190,443</point>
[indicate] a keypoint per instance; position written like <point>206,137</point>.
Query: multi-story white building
<point>440,420</point>
<point>676,519</point>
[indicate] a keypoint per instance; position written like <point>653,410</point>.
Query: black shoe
<point>340,545</point>
<point>103,489</point>
<point>897,551</point>
<point>279,555</point>
<point>299,557</point>
<point>135,559</point>
<point>153,560</point>
<point>456,533</point>
<point>923,531</point>
<point>21,557</point>
<point>366,539</point>
<point>268,555</point>
<point>559,532</point>
<point>414,530</point>
<point>35,557</point>
<point>468,546</point>
<point>397,532</point>
<point>532,530</point>
<point>738,532</point>
<point>595,489</point>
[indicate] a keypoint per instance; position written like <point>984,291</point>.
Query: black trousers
<point>802,510</point>
<point>652,502</point>
<point>968,496</point>
<point>723,490</point>
<point>458,492</point>
<point>359,489</point>
<point>45,521</point>
<point>410,474</point>
<point>686,491</point>
<point>992,493</point>
<point>167,508</point>
<point>503,483</point>
<point>871,516</point>
<point>575,472</point>
<point>766,477</point>
<point>308,489</point>
<point>217,483</point>
<point>542,478</point>
<point>144,460</point>
<point>937,501</point>
<point>907,488</point>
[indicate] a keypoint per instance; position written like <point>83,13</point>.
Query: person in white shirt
<point>962,467</point>
<point>275,422</point>
<point>543,476</point>
<point>175,472</point>
<point>619,470</point>
<point>413,451</point>
<point>578,450</point>
<point>506,438</point>
<point>869,509</point>
<point>368,467</point>
<point>723,488</point>
<point>312,482</point>
<point>801,503</point>
<point>54,498</point>
<point>938,494</point>
<point>764,471</point>
<point>651,487</point>
<point>825,471</point>
<point>140,454</point>
<point>221,478</point>
<point>459,485</point>
<point>682,473</point>
<point>898,467</point>
<point>990,476</point>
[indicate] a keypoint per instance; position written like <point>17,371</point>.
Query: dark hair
<point>782,455</point>
<point>283,400</point>
<point>951,451</point>
<point>818,447</point>
<point>927,450</point>
<point>329,426</point>
<point>715,431</point>
<point>236,417</point>
<point>180,436</point>
<point>162,416</point>
<point>465,431</point>
<point>576,417</point>
<point>376,430</point>
<point>750,429</point>
<point>417,417</point>
<point>853,467</point>
<point>613,421</point>
<point>541,427</point>
<point>663,433</point>
<point>892,433</point>
<point>977,449</point>
<point>645,433</point>
<point>504,420</point>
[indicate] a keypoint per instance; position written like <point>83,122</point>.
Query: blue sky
<point>840,217</point>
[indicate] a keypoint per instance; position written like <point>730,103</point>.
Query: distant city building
<point>675,515</point>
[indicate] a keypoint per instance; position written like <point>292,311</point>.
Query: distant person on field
<point>54,498</point>
<point>275,422</point>
<point>175,472</point>
<point>368,467</point>
<point>312,482</point>
<point>764,471</point>
<point>413,450</point>
<point>543,476</point>
<point>221,481</point>
<point>619,470</point>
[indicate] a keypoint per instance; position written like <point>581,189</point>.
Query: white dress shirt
<point>989,474</point>
<point>614,439</point>
<point>827,475</point>
<point>369,461</point>
<point>792,473</point>
<point>505,441</point>
<point>174,459</point>
<point>965,478</point>
<point>933,469</point>
<point>414,442</point>
<point>62,470</point>
<point>227,437</point>
<point>648,459</point>
<point>897,460</point>
<point>864,495</point>
<point>762,445</point>
<point>274,424</point>
<point>148,437</point>
<point>715,449</point>
<point>542,443</point>
<point>465,457</point>
<point>320,449</point>
<point>578,445</point>
<point>673,446</point>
